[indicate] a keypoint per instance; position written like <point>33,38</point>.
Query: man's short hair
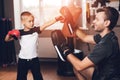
<point>111,14</point>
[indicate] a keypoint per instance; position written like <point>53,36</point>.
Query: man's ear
<point>107,22</point>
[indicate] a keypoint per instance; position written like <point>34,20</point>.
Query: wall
<point>45,46</point>
<point>46,49</point>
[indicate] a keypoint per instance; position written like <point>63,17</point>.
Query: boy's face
<point>28,22</point>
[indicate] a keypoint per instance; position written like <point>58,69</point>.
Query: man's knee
<point>85,74</point>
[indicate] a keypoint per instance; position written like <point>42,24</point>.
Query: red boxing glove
<point>60,18</point>
<point>14,33</point>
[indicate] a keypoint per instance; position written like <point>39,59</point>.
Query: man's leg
<point>85,74</point>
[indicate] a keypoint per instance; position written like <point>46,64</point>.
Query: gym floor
<point>48,69</point>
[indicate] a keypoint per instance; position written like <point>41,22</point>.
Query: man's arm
<point>84,37</point>
<point>67,54</point>
<point>78,64</point>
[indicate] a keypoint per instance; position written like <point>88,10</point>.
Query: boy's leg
<point>22,70</point>
<point>85,74</point>
<point>35,69</point>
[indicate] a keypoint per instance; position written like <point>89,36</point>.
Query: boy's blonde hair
<point>25,15</point>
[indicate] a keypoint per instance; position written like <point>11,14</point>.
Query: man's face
<point>99,22</point>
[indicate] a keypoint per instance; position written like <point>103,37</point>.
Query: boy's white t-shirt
<point>28,45</point>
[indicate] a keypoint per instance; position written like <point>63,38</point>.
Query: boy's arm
<point>51,22</point>
<point>8,38</point>
<point>13,34</point>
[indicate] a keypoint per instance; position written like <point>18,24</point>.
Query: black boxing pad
<point>57,37</point>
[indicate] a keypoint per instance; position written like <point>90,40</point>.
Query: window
<point>43,10</point>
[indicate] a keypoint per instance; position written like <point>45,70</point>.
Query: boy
<point>27,37</point>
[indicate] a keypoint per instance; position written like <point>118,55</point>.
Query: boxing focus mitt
<point>14,33</point>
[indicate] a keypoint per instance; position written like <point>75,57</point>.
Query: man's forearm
<point>84,37</point>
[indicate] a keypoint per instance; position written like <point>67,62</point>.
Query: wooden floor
<point>48,69</point>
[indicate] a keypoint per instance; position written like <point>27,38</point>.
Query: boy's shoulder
<point>32,30</point>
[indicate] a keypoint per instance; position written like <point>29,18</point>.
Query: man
<point>105,57</point>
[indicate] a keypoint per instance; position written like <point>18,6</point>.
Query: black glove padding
<point>16,38</point>
<point>65,50</point>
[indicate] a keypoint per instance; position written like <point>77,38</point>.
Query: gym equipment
<point>70,29</point>
<point>66,13</point>
<point>68,18</point>
<point>64,67</point>
<point>119,5</point>
<point>57,39</point>
<point>102,2</point>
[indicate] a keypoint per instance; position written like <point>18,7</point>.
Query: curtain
<point>7,49</point>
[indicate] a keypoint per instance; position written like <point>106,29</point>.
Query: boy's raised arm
<point>51,22</point>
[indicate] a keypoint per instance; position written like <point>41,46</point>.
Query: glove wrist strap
<point>66,53</point>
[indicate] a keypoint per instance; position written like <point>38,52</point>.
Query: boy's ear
<point>22,21</point>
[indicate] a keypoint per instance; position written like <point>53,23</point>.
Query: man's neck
<point>103,33</point>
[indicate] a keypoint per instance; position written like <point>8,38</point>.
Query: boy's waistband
<point>29,59</point>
